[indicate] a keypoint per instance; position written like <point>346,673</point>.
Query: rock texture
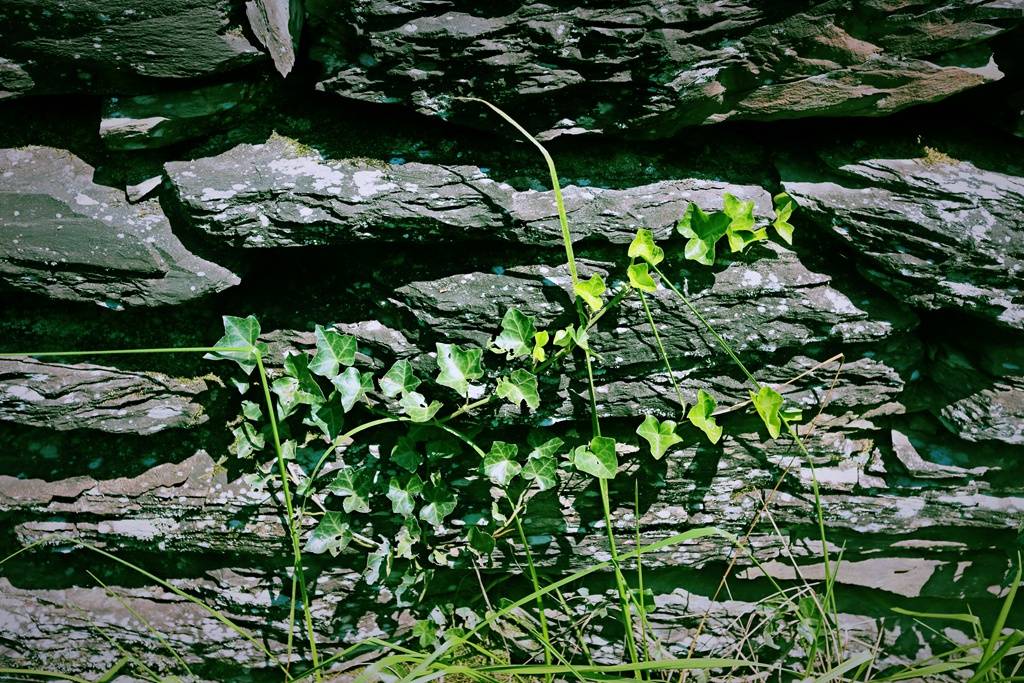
<point>61,396</point>
<point>938,233</point>
<point>649,69</point>
<point>101,46</point>
<point>67,237</point>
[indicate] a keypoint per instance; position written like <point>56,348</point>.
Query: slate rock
<point>282,194</point>
<point>995,413</point>
<point>111,45</point>
<point>938,234</point>
<point>647,69</point>
<point>66,237</point>
<point>84,396</point>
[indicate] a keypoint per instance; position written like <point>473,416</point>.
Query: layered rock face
<point>186,180</point>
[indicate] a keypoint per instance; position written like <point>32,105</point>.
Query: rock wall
<point>158,172</point>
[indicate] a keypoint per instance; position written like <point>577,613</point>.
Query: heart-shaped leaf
<point>701,416</point>
<point>297,365</point>
<point>541,465</point>
<point>520,386</point>
<point>240,334</point>
<point>354,486</point>
<point>406,455</point>
<point>480,541</point>
<point>459,366</point>
<point>399,379</point>
<point>403,498</point>
<point>331,535</point>
<point>500,464</point>
<point>517,334</point>
<point>767,401</point>
<point>660,435</point>
<point>329,416</point>
<point>784,207</point>
<point>704,231</point>
<point>640,278</point>
<point>598,459</point>
<point>351,386</point>
<point>332,351</point>
<point>247,440</point>
<point>741,231</point>
<point>591,290</point>
<point>440,502</point>
<point>643,247</point>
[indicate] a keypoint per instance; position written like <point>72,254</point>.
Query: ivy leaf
<point>700,416</point>
<point>704,231</point>
<point>297,365</point>
<point>239,333</point>
<point>784,207</point>
<point>287,391</point>
<point>332,351</point>
<point>541,466</point>
<point>520,386</point>
<point>741,223</point>
<point>403,499</point>
<point>767,401</point>
<point>375,560</point>
<point>415,406</point>
<point>329,416</point>
<point>481,541</point>
<point>591,290</point>
<point>406,538</point>
<point>354,486</point>
<point>500,464</point>
<point>331,535</point>
<point>252,411</point>
<point>405,455</point>
<point>426,631</point>
<point>640,278</point>
<point>643,247</point>
<point>598,459</point>
<point>570,335</point>
<point>791,414</point>
<point>247,440</point>
<point>400,379</point>
<point>540,340</point>
<point>458,367</point>
<point>351,387</point>
<point>517,333</point>
<point>660,435</point>
<point>440,502</point>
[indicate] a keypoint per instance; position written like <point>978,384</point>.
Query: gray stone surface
<point>995,413</point>
<point>66,237</point>
<point>83,396</point>
<point>283,194</point>
<point>647,69</point>
<point>936,233</point>
<point>105,45</point>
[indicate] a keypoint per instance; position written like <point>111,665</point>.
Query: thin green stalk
<point>293,532</point>
<point>540,599</point>
<point>641,608</point>
<point>661,349</point>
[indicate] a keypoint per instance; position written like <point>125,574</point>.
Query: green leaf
<point>329,416</point>
<point>517,334</point>
<point>297,365</point>
<point>331,535</point>
<point>784,207</point>
<point>440,502</point>
<point>540,340</point>
<point>247,440</point>
<point>500,464</point>
<point>520,386</point>
<point>354,486</point>
<point>481,541</point>
<point>400,379</point>
<point>704,231</point>
<point>643,247</point>
<point>599,459</point>
<point>403,498</point>
<point>405,454</point>
<point>700,416</point>
<point>406,538</point>
<point>426,631</point>
<point>376,560</point>
<point>351,387</point>
<point>458,367</point>
<point>252,411</point>
<point>591,290</point>
<point>640,278</point>
<point>240,333</point>
<point>541,466</point>
<point>415,406</point>
<point>741,223</point>
<point>767,401</point>
<point>572,335</point>
<point>332,351</point>
<point>660,435</point>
